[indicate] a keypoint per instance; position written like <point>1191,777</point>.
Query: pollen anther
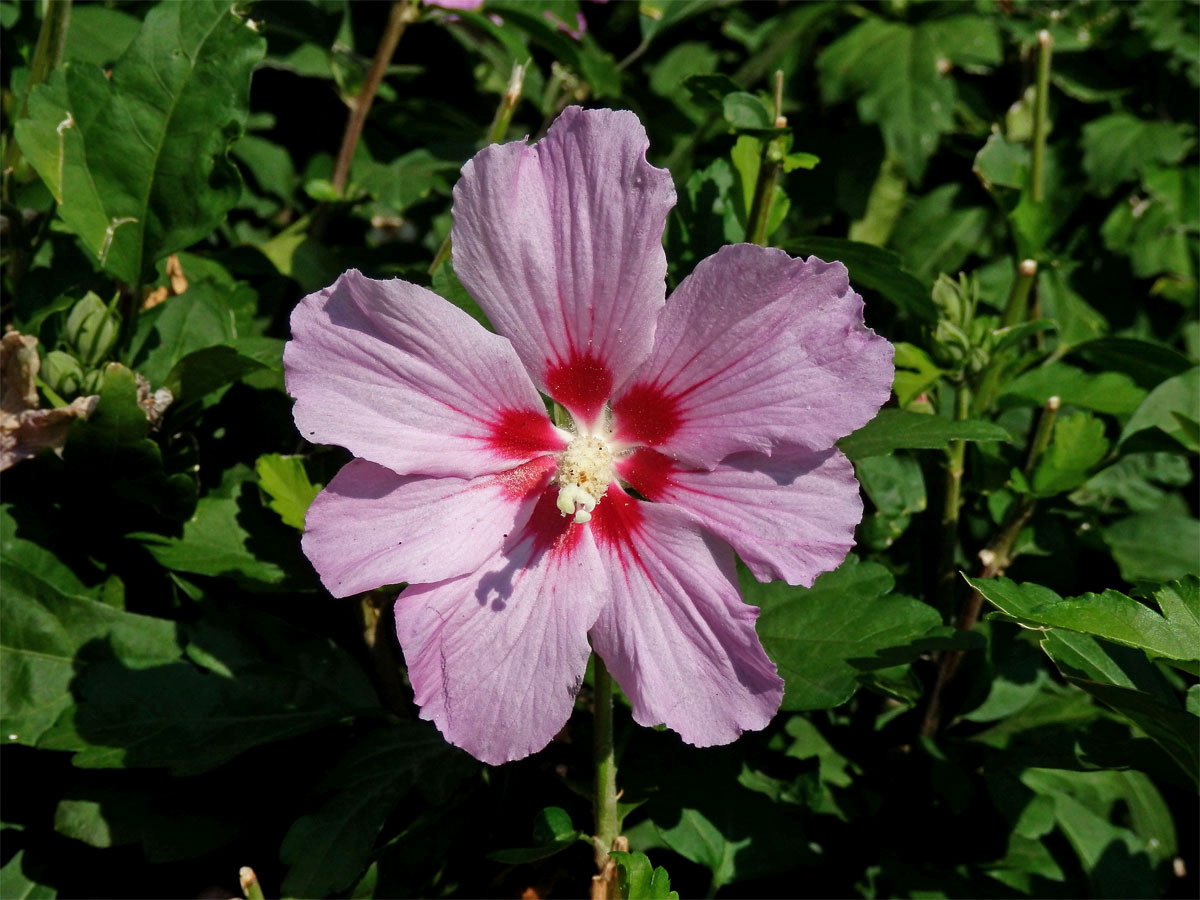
<point>585,469</point>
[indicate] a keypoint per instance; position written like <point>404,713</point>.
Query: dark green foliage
<point>180,698</point>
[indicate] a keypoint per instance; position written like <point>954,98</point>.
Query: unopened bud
<point>1028,268</point>
<point>91,329</point>
<point>62,372</point>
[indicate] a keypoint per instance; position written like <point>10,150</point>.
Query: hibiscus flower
<point>700,426</point>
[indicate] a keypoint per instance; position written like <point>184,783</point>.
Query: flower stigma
<point>585,469</point>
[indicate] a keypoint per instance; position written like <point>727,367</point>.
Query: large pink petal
<point>399,376</point>
<point>372,527</point>
<point>496,657</point>
<point>790,516</point>
<point>756,349</point>
<point>676,634</point>
<point>561,245</point>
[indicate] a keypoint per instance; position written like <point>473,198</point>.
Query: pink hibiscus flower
<point>701,426</point>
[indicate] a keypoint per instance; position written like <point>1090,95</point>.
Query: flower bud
<point>62,372</point>
<point>91,329</point>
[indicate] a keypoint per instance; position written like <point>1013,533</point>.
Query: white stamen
<point>585,470</point>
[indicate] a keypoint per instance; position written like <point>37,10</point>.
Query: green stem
<point>952,503</point>
<point>1016,310</point>
<point>1041,117</point>
<point>52,37</point>
<point>769,165</point>
<point>496,133</point>
<point>251,889</point>
<point>994,559</point>
<point>604,795</point>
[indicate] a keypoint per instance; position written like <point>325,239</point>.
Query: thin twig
<point>402,13</point>
<point>994,560</point>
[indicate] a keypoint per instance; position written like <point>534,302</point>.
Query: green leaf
<point>327,850</point>
<point>553,832</point>
<point>1002,163</point>
<point>404,181</point>
<point>936,234</point>
<point>99,35</point>
<point>1134,481</point>
<point>967,40</point>
<point>1154,229</point>
<point>202,372</point>
<point>873,268</point>
<point>202,316</point>
<point>1117,147</point>
<point>745,112</point>
<point>894,69</point>
<point>110,449</point>
<point>1076,448</point>
<point>1147,363</point>
<point>283,479</point>
<point>16,884</point>
<point>734,831</point>
<point>1154,546</point>
<point>1105,392</point>
<point>137,161</point>
<point>218,541</point>
<point>638,880</point>
<point>1167,408</point>
<point>824,637</point>
<point>44,631</point>
<point>1084,807</point>
<point>1110,615</point>
<point>207,694</point>
<point>895,429</point>
<point>270,165</point>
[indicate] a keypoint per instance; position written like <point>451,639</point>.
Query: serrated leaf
<point>1117,147</point>
<point>1105,392</point>
<point>1076,448</point>
<point>1155,546</point>
<point>893,67</point>
<point>137,161</point>
<point>1160,410</point>
<point>936,233</point>
<point>637,879</point>
<point>824,637</point>
<point>1110,615</point>
<point>895,429</point>
<point>1134,480</point>
<point>284,480</point>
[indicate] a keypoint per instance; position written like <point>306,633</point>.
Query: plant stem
<point>769,165</point>
<point>604,790</point>
<point>496,133</point>
<point>604,796</point>
<point>52,37</point>
<point>403,12</point>
<point>994,559</point>
<point>1041,122</point>
<point>952,504</point>
<point>1016,309</point>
